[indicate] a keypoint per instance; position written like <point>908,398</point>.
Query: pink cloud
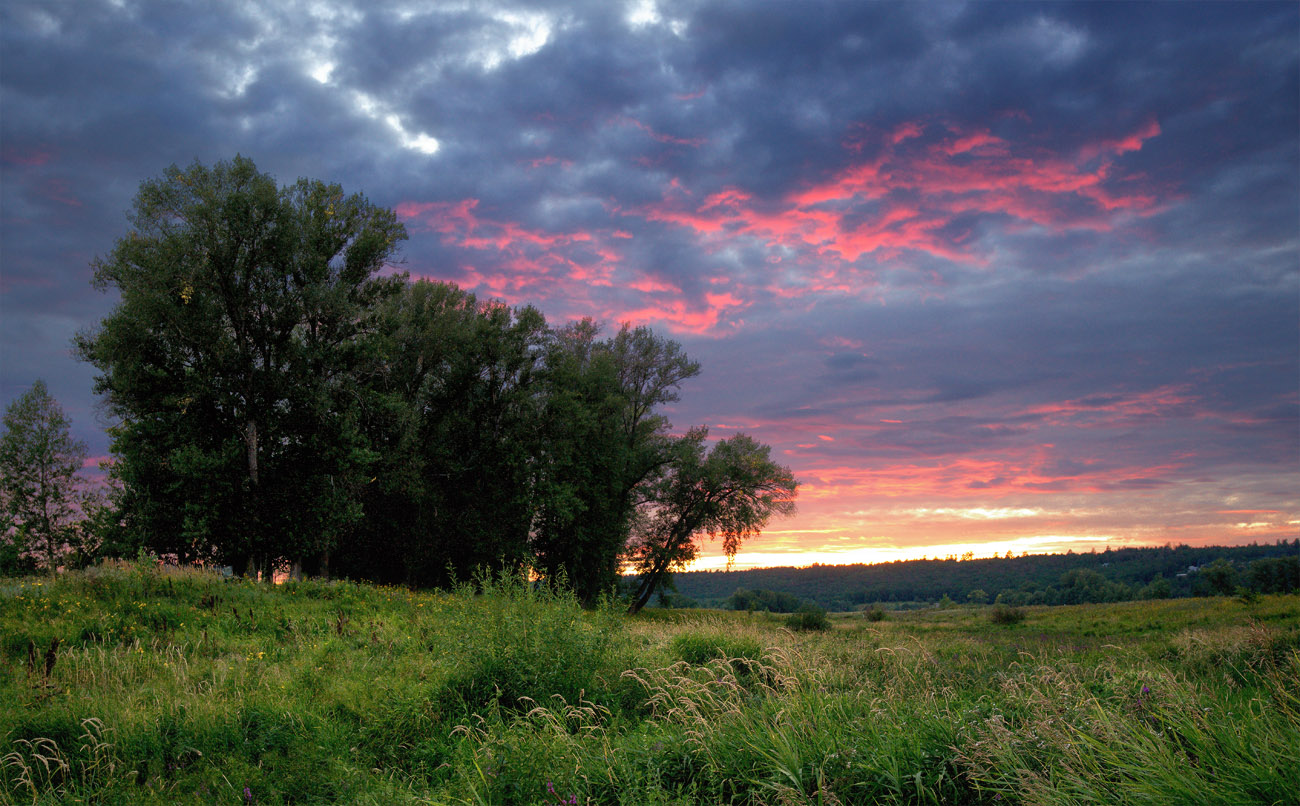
<point>1109,411</point>
<point>693,142</point>
<point>914,195</point>
<point>1127,143</point>
<point>649,285</point>
<point>842,343</point>
<point>542,162</point>
<point>905,198</point>
<point>971,479</point>
<point>58,190</point>
<point>27,158</point>
<point>906,131</point>
<point>979,140</point>
<point>677,314</point>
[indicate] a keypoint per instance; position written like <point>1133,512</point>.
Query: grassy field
<point>134,684</point>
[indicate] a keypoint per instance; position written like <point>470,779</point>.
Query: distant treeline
<point>1107,576</point>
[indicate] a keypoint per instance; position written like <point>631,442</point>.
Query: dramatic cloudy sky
<point>987,276</point>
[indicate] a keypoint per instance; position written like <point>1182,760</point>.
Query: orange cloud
<point>968,478</point>
<point>1113,410</point>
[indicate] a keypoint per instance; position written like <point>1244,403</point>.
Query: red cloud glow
<point>693,142</point>
<point>919,189</point>
<point>906,197</point>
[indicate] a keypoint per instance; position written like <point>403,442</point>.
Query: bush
<point>1002,614</point>
<point>518,640</point>
<point>808,617</point>
<point>875,614</point>
<point>700,648</point>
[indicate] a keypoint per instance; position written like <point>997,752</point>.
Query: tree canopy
<point>282,401</point>
<point>40,487</point>
<point>731,491</point>
<point>231,356</point>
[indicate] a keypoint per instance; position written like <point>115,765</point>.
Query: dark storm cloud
<point>893,232</point>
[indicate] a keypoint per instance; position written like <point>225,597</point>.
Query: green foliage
<point>1004,614</point>
<point>730,491</point>
<point>522,645</point>
<point>1018,581</point>
<point>1157,588</point>
<point>769,601</point>
<point>231,360</point>
<point>282,405</point>
<point>808,617</point>
<point>449,410</point>
<point>699,648</point>
<point>1220,577</point>
<point>177,686</point>
<point>1275,574</point>
<point>40,487</point>
<point>604,443</point>
<point>874,614</point>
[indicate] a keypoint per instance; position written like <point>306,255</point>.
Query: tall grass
<point>131,683</point>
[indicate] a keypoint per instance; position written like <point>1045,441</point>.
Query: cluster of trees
<point>1107,576</point>
<point>764,600</point>
<point>280,401</point>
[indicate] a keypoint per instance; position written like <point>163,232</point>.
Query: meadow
<point>132,683</point>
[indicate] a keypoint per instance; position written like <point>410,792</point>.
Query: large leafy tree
<point>730,491</point>
<point>478,437</point>
<point>604,445</point>
<point>39,482</point>
<point>421,332</point>
<point>450,410</point>
<point>231,360</point>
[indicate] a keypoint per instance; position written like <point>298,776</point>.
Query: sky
<point>987,277</point>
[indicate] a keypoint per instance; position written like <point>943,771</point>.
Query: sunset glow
<point>989,278</point>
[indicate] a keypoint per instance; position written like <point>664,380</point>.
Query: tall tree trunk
<point>49,527</point>
<point>255,566</point>
<point>648,585</point>
<point>250,437</point>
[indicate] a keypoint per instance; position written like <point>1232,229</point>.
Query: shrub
<point>1003,614</point>
<point>698,649</point>
<point>518,640</point>
<point>875,614</point>
<point>808,617</point>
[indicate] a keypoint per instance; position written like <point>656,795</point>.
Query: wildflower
<point>1145,691</point>
<point>248,795</point>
